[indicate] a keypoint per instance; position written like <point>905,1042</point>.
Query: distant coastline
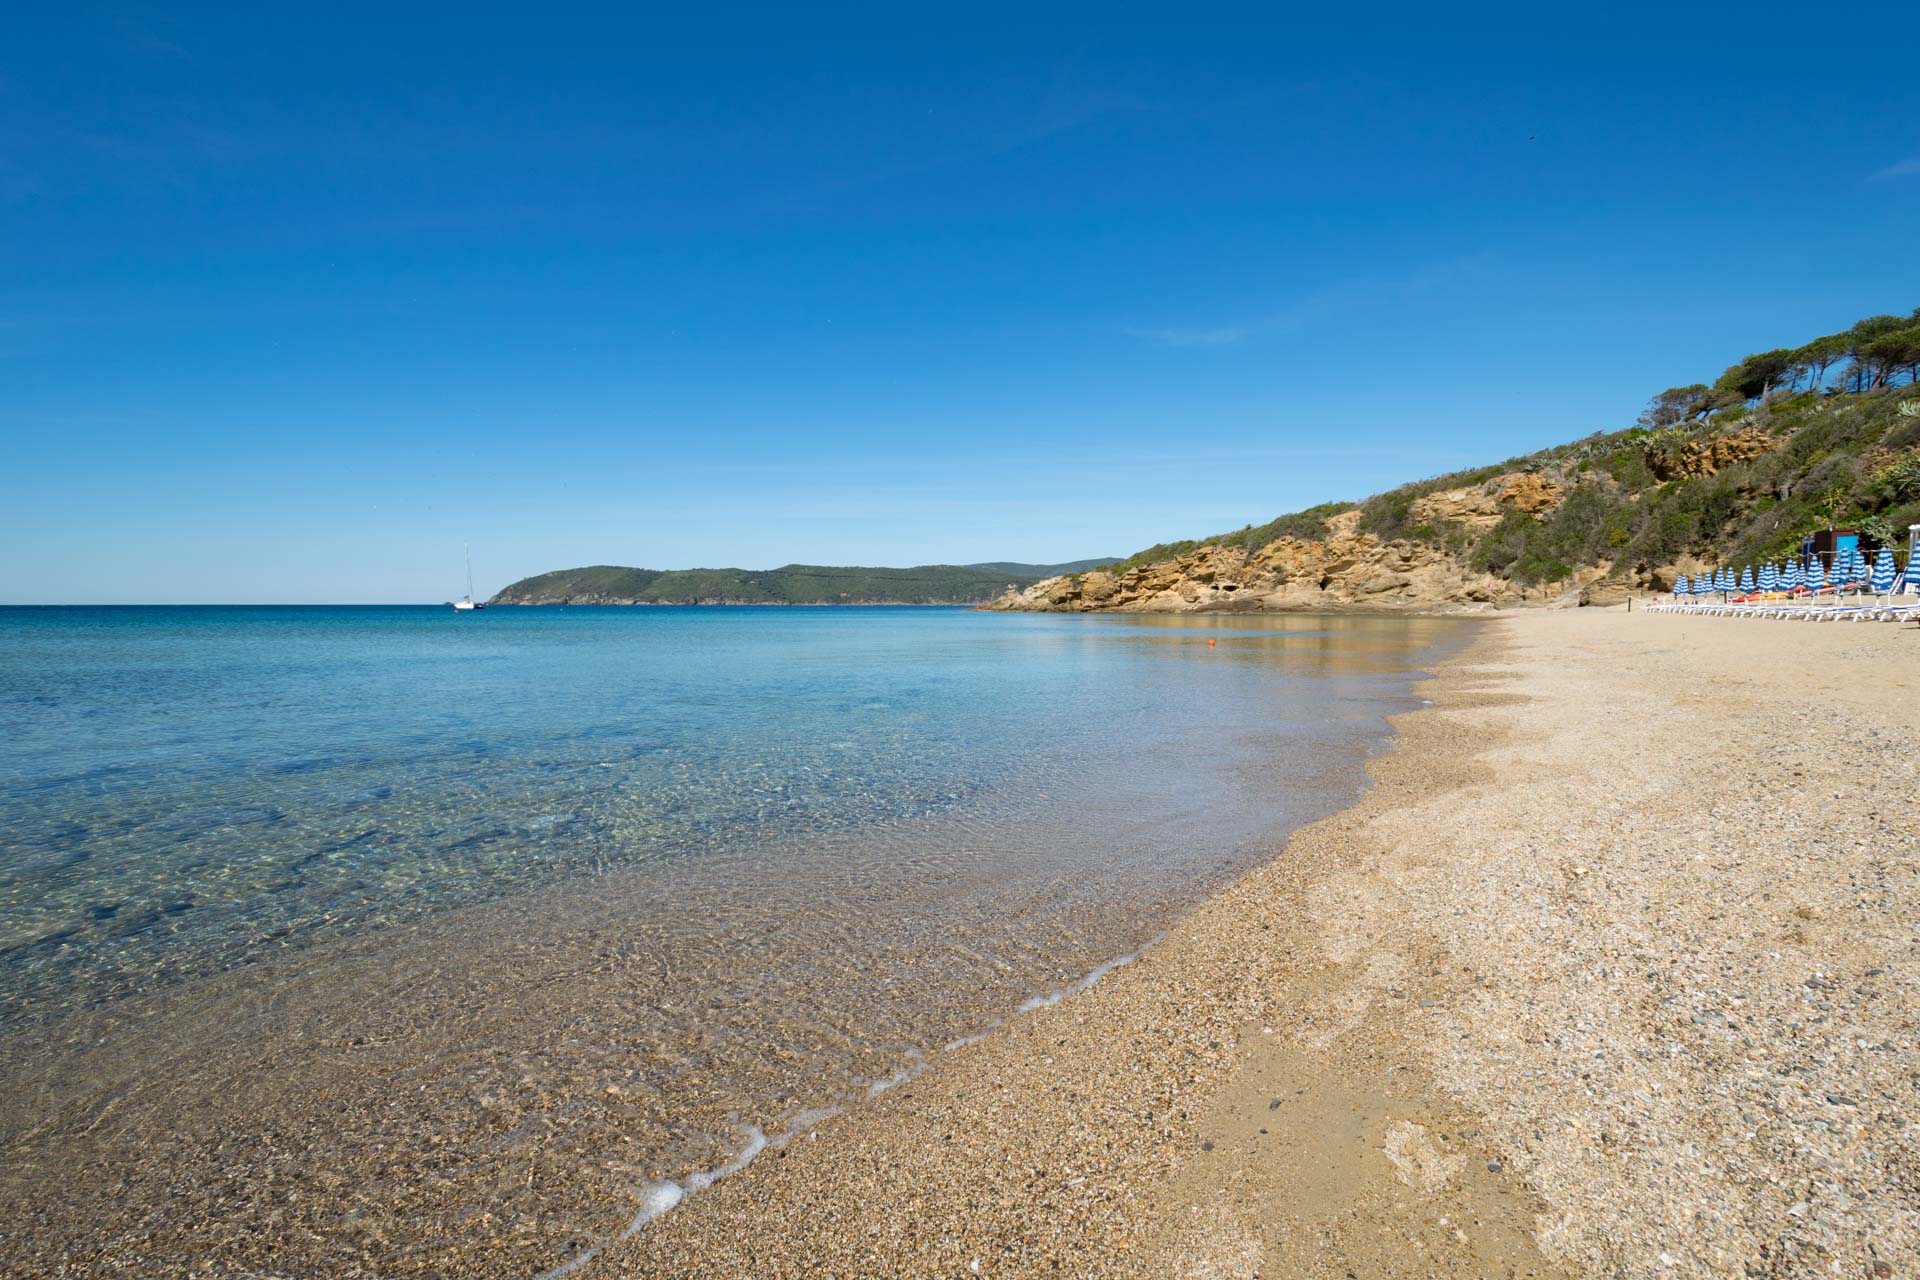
<point>734,604</point>
<point>792,584</point>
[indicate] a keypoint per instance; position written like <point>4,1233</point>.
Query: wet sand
<point>1612,972</point>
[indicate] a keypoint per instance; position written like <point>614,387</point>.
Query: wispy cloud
<point>139,39</point>
<point>1334,304</point>
<point>1901,168</point>
<point>1187,337</point>
<point>1365,294</point>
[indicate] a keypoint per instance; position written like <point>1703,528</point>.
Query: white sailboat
<point>462,606</point>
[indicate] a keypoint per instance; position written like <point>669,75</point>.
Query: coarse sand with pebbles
<point>1612,973</point>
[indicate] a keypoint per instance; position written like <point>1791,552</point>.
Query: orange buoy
<point>1211,643</point>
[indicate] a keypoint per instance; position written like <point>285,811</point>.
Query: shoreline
<point>487,1092</point>
<point>797,1214</point>
<point>1540,1003</point>
<point>1442,1031</point>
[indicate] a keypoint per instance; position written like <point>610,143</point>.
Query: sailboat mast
<point>468,547</point>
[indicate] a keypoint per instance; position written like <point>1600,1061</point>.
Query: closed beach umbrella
<point>1769,580</point>
<point>1681,586</point>
<point>1816,575</point>
<point>1883,572</point>
<point>1791,580</point>
<point>1746,580</point>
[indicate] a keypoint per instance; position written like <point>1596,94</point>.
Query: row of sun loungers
<point>1794,610</point>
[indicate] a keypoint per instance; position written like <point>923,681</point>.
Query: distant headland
<point>796,584</point>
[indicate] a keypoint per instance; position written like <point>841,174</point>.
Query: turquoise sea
<point>745,864</point>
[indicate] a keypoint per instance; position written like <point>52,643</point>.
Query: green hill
<point>1782,443</point>
<point>802,584</point>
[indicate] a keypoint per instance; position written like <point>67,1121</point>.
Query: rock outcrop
<point>1482,506</point>
<point>1697,458</point>
<point>1345,570</point>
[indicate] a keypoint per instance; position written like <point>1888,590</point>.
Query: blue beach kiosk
<point>1831,546</point>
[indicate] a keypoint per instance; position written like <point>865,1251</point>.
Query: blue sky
<point>293,305</point>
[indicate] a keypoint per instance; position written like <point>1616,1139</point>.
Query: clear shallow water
<point>430,889</point>
<point>184,787</point>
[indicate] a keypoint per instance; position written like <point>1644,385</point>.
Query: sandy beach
<point>1610,973</point>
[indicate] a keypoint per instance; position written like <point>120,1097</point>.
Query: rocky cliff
<point>1344,569</point>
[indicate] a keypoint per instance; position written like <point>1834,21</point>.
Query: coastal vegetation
<point>1786,441</point>
<point>801,584</point>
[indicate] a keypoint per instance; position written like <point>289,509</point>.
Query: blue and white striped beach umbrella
<point>1791,579</point>
<point>1703,584</point>
<point>1769,579</point>
<point>1816,575</point>
<point>1746,580</point>
<point>1883,573</point>
<point>1681,586</point>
